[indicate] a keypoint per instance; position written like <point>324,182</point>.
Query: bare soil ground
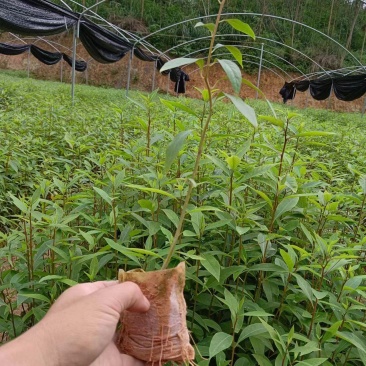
<point>144,77</point>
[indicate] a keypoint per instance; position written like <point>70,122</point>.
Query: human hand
<point>79,328</point>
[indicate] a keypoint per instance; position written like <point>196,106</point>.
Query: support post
<point>61,70</point>
<point>364,107</point>
<point>28,63</point>
<point>129,72</point>
<point>167,83</point>
<point>73,63</point>
<point>330,96</point>
<point>259,71</point>
<point>87,74</point>
<point>154,74</point>
<point>307,98</point>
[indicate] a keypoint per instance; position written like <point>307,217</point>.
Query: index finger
<point>77,292</point>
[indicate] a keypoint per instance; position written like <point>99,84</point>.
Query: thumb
<point>122,296</point>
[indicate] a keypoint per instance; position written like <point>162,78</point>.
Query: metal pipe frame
<point>255,15</point>
<point>240,46</point>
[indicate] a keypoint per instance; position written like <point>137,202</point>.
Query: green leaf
<point>315,134</point>
<point>148,189</point>
<point>174,147</point>
<point>172,216</point>
<point>212,265</point>
<point>312,346</point>
<point>331,331</point>
<point>93,268</point>
<point>172,105</point>
<point>130,251</point>
<point>209,26</point>
<point>50,278</point>
<point>240,26</point>
<point>147,204</point>
<point>262,360</point>
<point>251,330</point>
<point>354,339</point>
<point>311,362</point>
<point>291,115</point>
<point>231,301</point>
<point>84,258</point>
<point>287,204</point>
<point>219,342</point>
<point>260,313</point>
<point>104,195</point>
<point>274,121</point>
<point>252,86</point>
<point>68,282</point>
<point>233,72</point>
<point>257,171</point>
<point>353,283</point>
<point>362,182</point>
<point>267,267</point>
<point>140,105</point>
<point>290,335</point>
<point>17,202</point>
<point>287,259</point>
<point>31,295</point>
<point>236,54</point>
<point>305,287</point>
<point>181,61</point>
<point>291,183</point>
<point>204,208</point>
<point>233,162</point>
<point>247,111</point>
<point>89,238</point>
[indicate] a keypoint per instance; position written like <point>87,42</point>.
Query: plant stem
<point>200,147</point>
<point>274,209</point>
<point>360,218</point>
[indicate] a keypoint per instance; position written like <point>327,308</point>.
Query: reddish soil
<point>142,75</point>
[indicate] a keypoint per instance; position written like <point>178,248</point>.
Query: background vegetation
<point>343,20</point>
<point>274,236</point>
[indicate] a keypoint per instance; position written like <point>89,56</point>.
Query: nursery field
<point>274,232</point>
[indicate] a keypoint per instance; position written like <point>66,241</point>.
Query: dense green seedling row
<point>273,238</point>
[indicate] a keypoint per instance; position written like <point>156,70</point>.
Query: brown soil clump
<point>159,335</point>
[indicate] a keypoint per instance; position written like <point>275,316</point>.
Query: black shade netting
<point>79,65</point>
<point>144,56</point>
<point>159,64</point>
<point>42,17</point>
<point>302,85</point>
<point>180,85</point>
<point>349,88</point>
<point>321,89</point>
<point>12,50</point>
<point>35,17</point>
<point>103,45</point>
<point>288,92</point>
<point>46,57</point>
<point>346,88</point>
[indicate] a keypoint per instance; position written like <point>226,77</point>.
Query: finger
<point>75,293</point>
<point>122,296</point>
<point>112,356</point>
<point>127,360</point>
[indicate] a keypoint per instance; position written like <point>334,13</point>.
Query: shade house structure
<point>271,54</point>
<point>104,43</point>
<point>107,43</point>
